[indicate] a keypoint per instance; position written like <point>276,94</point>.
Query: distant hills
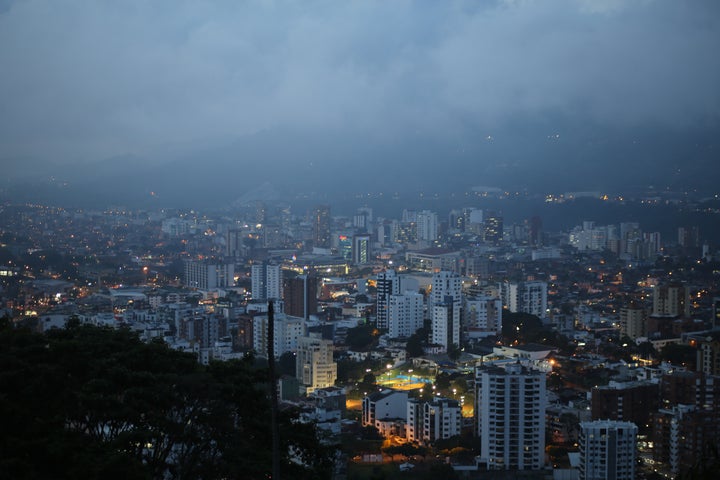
<point>541,156</point>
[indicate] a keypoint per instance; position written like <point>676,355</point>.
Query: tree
<point>88,402</point>
<point>647,350</point>
<point>414,346</point>
<point>454,352</point>
<point>360,337</point>
<point>442,381</point>
<point>678,354</point>
<point>523,328</point>
<point>286,364</point>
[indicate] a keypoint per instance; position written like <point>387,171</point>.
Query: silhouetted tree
<point>88,402</point>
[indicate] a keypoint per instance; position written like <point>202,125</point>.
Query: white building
<point>287,332</point>
<point>383,406</point>
<point>208,276</point>
<point>527,297</point>
<point>405,314</point>
<point>437,419</point>
<point>607,450</point>
<point>387,284</point>
<point>483,316</point>
<point>427,226</point>
<point>445,308</point>
<point>510,410</point>
<point>314,365</point>
<point>266,281</point>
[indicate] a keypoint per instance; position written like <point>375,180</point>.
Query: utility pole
<point>273,394</point>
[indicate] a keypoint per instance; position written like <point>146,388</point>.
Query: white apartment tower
<point>445,308</point>
<point>405,314</point>
<point>607,450</point>
<point>266,281</point>
<point>432,420</point>
<point>287,332</point>
<point>314,365</point>
<point>483,316</point>
<point>427,226</point>
<point>510,410</point>
<point>387,284</point>
<point>208,276</point>
<point>526,297</point>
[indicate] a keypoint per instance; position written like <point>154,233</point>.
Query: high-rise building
<point>234,246</point>
<point>445,307</point>
<point>314,366</point>
<point>404,232</point>
<point>388,284</point>
<point>474,221</point>
<point>427,226</point>
<point>428,421</point>
<point>321,226</point>
<point>689,237</point>
<point>633,322</point>
<point>245,332</point>
<point>266,281</point>
<point>628,401</point>
<point>405,314</point>
<point>208,275</point>
<point>345,246</point>
<point>287,332</point>
<point>607,450</point>
<point>300,296</point>
<point>526,297</point>
<point>688,425</point>
<point>671,300</point>
<point>483,316</point>
<point>708,354</point>
<point>456,220</point>
<point>535,232</point>
<point>363,219</point>
<point>493,232</point>
<point>510,412</point>
<point>361,249</point>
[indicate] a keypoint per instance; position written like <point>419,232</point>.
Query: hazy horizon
<point>160,96</point>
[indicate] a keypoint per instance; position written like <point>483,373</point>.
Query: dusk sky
<point>85,80</point>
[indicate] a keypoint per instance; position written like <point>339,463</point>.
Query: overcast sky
<point>90,79</point>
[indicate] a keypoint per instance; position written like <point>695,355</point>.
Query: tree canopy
<point>87,402</point>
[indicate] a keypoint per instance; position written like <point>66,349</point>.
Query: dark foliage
<point>91,403</point>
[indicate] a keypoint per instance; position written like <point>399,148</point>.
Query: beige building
<point>314,365</point>
<point>633,321</point>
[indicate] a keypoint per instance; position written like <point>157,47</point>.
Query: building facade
<point>607,450</point>
<point>388,284</point>
<point>510,413</point>
<point>483,316</point>
<point>300,296</point>
<point>405,314</point>
<point>266,281</point>
<point>445,308</point>
<point>432,420</point>
<point>361,250</point>
<point>314,365</point>
<point>526,297</point>
<point>287,332</point>
<point>207,275</point>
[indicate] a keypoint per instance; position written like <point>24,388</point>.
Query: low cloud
<point>84,80</point>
